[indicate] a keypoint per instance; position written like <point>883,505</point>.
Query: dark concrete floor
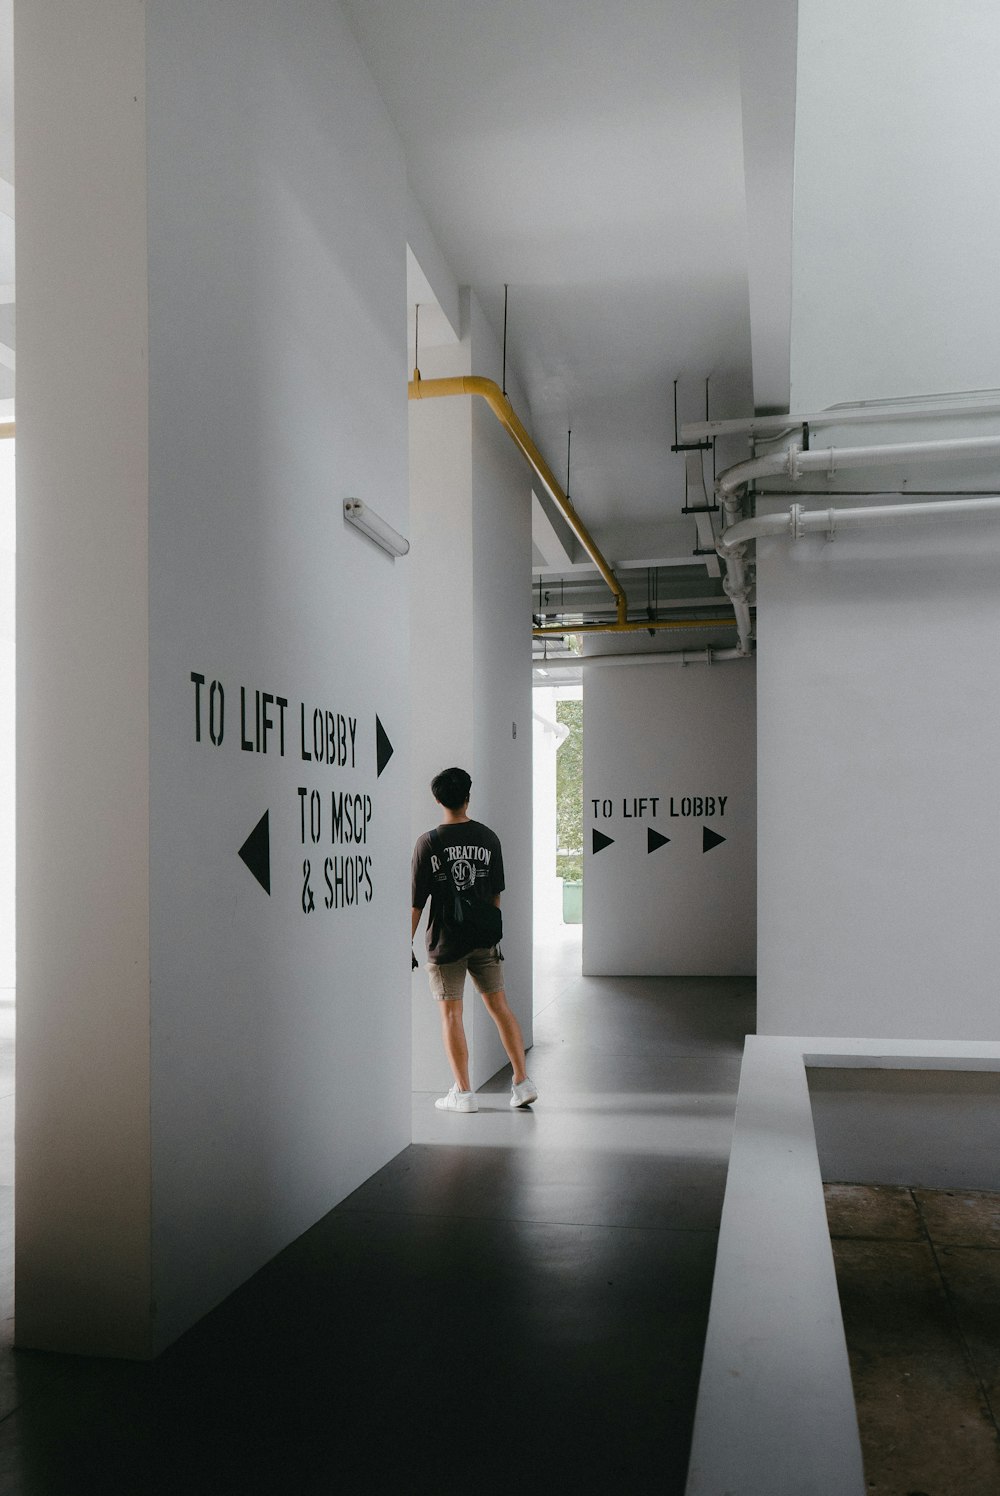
<point>919,1278</point>
<point>516,1302</point>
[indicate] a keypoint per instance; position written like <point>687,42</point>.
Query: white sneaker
<point>524,1093</point>
<point>457,1101</point>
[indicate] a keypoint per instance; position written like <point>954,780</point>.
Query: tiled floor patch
<point>919,1278</point>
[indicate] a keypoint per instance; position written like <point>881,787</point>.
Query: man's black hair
<point>451,788</point>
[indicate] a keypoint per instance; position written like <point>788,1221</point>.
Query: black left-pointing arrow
<point>256,852</point>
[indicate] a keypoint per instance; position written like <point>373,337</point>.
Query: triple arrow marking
<point>256,852</point>
<point>654,840</point>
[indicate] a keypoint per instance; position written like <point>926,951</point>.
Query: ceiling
<point>626,169</point>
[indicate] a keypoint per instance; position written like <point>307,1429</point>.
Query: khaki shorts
<point>448,981</point>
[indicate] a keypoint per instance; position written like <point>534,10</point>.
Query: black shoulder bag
<point>474,923</point>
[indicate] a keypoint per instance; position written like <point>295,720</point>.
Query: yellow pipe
<point>490,391</point>
<point>6,429</point>
<point>633,626</point>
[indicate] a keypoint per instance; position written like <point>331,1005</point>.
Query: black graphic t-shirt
<point>473,861</point>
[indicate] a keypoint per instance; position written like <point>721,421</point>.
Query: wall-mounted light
<point>370,524</point>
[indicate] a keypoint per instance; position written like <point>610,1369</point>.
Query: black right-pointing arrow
<point>383,748</point>
<point>710,839</point>
<point>654,840</point>
<point>256,852</point>
<point>601,841</point>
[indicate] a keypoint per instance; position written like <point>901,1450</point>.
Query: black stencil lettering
<point>245,742</point>
<point>216,693</point>
<point>199,681</point>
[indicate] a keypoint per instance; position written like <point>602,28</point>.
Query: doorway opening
<point>558,835</point>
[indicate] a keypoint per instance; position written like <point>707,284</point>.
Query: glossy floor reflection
<point>516,1302</point>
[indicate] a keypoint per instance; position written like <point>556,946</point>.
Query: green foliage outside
<point>569,794</point>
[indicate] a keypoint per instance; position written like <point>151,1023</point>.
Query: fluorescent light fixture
<point>370,524</point>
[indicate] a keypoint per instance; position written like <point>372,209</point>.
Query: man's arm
<point>416,920</point>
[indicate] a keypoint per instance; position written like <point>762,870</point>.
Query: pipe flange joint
<point>795,521</point>
<point>794,453</point>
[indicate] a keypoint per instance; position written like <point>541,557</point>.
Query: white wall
<point>878,676</point>
<point>471,680</point>
<point>676,735</point>
<point>879,693</point>
<point>257,1040</point>
<point>930,1128</point>
<point>895,228</point>
<point>442,665</point>
<point>277,299</point>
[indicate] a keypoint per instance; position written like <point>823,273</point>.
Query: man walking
<point>459,867</point>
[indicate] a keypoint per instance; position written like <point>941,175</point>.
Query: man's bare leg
<point>455,1045</point>
<point>509,1030</point>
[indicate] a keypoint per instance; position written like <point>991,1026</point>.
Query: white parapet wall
<point>776,1413</point>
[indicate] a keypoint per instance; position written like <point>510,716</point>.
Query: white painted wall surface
<point>929,1128</point>
<point>83,1246</point>
<point>471,681</point>
<point>280,1052</point>
<point>501,549</point>
<point>676,734</point>
<point>442,664</point>
<point>879,692</point>
<point>878,679</point>
<point>895,225</point>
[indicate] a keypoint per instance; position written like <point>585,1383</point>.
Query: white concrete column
<point>83,1171</point>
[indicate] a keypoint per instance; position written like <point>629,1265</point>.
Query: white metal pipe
<point>666,657</point>
<point>728,483</point>
<point>794,462</point>
<point>738,533</point>
<point>835,459</point>
<point>865,413</point>
<point>799,522</point>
